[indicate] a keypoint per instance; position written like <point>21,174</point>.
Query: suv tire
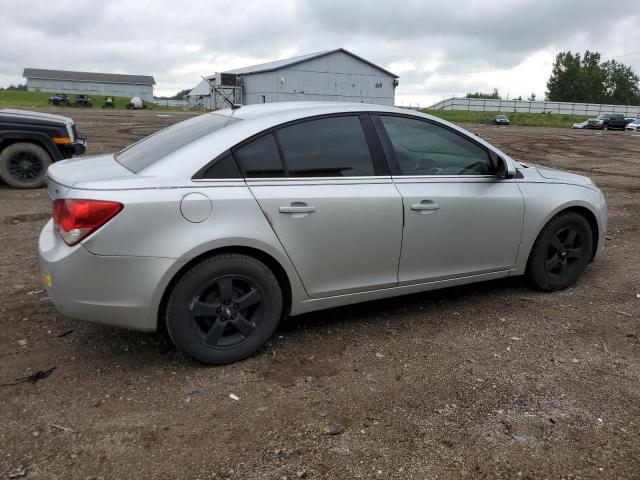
<point>24,165</point>
<point>224,308</point>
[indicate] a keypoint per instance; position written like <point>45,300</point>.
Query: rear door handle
<point>425,205</point>
<point>297,209</point>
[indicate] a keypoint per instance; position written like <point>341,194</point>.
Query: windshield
<point>149,150</point>
<point>604,116</point>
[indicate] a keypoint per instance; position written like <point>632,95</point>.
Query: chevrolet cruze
<point>221,225</point>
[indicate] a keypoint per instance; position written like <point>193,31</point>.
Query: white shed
<point>332,75</point>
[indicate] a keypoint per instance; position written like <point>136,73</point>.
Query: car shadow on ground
<point>139,348</point>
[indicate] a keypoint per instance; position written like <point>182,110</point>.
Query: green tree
<point>564,83</point>
<point>588,80</point>
<point>591,79</point>
<point>620,84</point>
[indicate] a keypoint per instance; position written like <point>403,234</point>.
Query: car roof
<point>302,109</point>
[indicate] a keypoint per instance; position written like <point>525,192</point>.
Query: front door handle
<point>297,209</point>
<point>425,206</point>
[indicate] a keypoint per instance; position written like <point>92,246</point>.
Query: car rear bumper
<point>120,291</point>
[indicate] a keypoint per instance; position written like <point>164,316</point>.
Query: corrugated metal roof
<point>88,76</point>
<point>287,62</point>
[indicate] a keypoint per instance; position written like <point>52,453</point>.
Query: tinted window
<point>224,167</point>
<point>260,158</point>
<point>151,149</point>
<point>328,147</point>
<point>423,148</point>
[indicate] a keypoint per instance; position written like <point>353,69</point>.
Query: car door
<point>460,218</point>
<point>324,186</point>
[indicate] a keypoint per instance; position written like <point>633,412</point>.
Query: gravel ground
<point>485,381</point>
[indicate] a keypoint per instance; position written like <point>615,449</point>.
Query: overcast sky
<point>438,48</point>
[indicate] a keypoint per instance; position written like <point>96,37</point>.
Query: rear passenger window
<point>224,167</point>
<point>328,147</point>
<point>423,148</point>
<point>260,158</point>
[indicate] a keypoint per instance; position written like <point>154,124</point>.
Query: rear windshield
<point>149,150</point>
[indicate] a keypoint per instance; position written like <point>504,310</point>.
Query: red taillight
<point>75,219</point>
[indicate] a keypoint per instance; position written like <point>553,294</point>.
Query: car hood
<point>26,115</point>
<point>553,174</point>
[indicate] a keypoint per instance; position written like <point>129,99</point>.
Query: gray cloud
<point>177,42</point>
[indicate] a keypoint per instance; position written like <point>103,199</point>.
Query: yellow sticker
<point>47,280</point>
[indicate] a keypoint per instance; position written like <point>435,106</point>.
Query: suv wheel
<point>605,126</point>
<point>561,252</point>
<point>224,308</point>
<point>24,165</point>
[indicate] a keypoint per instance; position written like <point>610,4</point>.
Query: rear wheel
<point>24,165</point>
<point>561,252</point>
<point>224,308</point>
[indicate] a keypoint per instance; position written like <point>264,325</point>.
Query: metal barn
<point>89,83</point>
<point>332,75</point>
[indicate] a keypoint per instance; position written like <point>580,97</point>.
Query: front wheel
<point>561,252</point>
<point>24,165</point>
<point>224,308</point>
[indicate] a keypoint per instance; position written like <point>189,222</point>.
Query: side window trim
<point>390,154</point>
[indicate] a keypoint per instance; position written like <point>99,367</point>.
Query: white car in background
<point>633,126</point>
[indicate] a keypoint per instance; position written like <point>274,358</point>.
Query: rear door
<point>324,186</point>
<point>460,219</point>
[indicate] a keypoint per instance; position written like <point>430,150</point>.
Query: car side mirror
<point>504,168</point>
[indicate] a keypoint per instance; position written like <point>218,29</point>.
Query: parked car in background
<point>30,142</point>
<point>633,126</point>
<point>59,100</point>
<point>629,120</point>
<point>608,121</point>
<point>581,124</point>
<point>221,225</point>
<point>501,120</point>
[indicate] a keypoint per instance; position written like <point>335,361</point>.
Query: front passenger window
<point>423,148</point>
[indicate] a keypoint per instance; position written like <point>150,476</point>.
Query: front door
<point>460,219</point>
<point>318,185</point>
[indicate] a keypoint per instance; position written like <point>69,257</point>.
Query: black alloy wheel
<point>564,253</point>
<point>224,308</point>
<point>561,252</point>
<point>24,166</point>
<point>227,311</point>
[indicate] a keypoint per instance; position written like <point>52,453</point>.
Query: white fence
<point>170,103</point>
<point>565,108</point>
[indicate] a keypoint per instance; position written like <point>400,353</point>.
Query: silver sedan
<point>220,226</point>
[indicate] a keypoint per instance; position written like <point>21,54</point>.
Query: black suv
<point>30,142</point>
<point>608,121</point>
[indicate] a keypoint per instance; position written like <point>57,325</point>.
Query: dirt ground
<point>486,381</point>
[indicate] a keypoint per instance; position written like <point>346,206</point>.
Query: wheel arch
<point>271,262</point>
<point>10,137</point>
<point>590,217</point>
<point>581,210</point>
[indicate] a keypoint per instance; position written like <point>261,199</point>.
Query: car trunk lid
<point>63,175</point>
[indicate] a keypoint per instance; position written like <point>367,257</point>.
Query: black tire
<point>24,165</point>
<point>561,252</point>
<point>605,126</point>
<point>224,308</point>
